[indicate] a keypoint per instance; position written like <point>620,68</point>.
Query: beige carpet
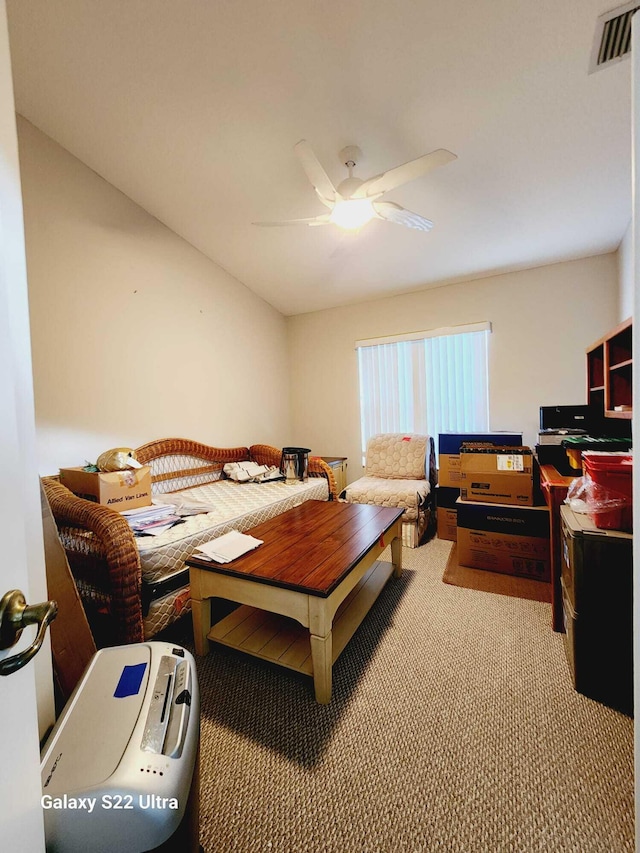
<point>494,582</point>
<point>453,728</point>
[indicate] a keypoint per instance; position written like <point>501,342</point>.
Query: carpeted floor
<point>453,727</point>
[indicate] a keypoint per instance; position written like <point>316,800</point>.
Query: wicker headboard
<point>179,463</point>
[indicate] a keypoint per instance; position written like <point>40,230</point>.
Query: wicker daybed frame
<point>101,548</point>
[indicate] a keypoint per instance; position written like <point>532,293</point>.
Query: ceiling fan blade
<point>315,171</point>
<point>314,220</point>
<point>394,213</point>
<point>403,174</point>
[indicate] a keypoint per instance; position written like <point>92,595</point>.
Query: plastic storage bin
<point>611,501</point>
<point>577,445</point>
<point>597,604</point>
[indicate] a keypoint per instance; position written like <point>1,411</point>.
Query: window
<point>425,382</point>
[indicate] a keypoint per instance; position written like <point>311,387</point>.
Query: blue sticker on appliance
<point>130,680</point>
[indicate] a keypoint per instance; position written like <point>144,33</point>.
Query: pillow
<point>398,456</point>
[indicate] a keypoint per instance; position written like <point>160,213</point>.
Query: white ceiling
<point>192,108</point>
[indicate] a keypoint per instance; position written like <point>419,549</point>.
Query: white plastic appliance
<point>118,766</point>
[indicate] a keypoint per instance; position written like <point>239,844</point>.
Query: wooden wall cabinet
<point>609,373</point>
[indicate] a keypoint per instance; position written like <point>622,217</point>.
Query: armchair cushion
<point>397,456</point>
<point>409,495</point>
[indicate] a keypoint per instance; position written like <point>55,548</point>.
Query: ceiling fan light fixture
<point>352,213</point>
<point>354,202</point>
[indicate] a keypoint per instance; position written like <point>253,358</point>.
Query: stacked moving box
<point>512,540</point>
<point>449,473</point>
<point>498,525</point>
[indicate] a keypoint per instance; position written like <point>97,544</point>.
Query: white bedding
<point>238,506</point>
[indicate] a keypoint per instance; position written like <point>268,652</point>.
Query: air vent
<point>613,36</point>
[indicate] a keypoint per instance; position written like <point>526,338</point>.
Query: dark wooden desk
<point>554,488</point>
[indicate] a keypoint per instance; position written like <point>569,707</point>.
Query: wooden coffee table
<point>305,590</point>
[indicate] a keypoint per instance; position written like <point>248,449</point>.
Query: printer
<point>559,421</point>
<point>118,767</point>
<point>566,430</point>
<point>556,424</point>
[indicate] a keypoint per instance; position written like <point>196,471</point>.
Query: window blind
<point>425,382</point>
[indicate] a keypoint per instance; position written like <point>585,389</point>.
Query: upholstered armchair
<point>399,472</point>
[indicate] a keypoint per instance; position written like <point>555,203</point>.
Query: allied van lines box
<point>449,444</point>
<point>511,540</point>
<point>501,475</point>
<point>117,489</point>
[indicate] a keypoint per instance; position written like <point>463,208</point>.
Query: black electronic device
<point>567,417</point>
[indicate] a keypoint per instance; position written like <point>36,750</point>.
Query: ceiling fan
<point>355,202</point>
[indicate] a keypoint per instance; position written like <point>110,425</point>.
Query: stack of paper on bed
<point>182,504</point>
<point>151,520</point>
<point>228,547</point>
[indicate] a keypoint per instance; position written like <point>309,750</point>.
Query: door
<point>635,243</point>
<point>21,551</point>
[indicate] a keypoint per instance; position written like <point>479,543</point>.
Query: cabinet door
<point>338,465</point>
<point>340,473</point>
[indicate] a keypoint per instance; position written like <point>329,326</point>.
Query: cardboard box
<point>449,444</point>
<point>447,512</point>
<point>511,540</point>
<point>118,489</point>
<point>502,475</point>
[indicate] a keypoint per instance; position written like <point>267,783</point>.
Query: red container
<point>612,474</point>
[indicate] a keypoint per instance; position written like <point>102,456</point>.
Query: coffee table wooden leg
<point>201,613</point>
<point>396,555</point>
<point>321,655</point>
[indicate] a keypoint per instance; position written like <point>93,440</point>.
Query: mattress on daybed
<point>162,611</point>
<point>236,506</point>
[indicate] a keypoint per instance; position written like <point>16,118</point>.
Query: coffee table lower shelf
<point>284,641</point>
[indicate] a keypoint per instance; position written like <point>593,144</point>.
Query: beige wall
<point>543,319</point>
<point>136,335</point>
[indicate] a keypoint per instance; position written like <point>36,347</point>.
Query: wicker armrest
<point>265,454</point>
<point>319,468</point>
<point>85,525</point>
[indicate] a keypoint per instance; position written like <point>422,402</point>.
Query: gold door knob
<point>15,615</point>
